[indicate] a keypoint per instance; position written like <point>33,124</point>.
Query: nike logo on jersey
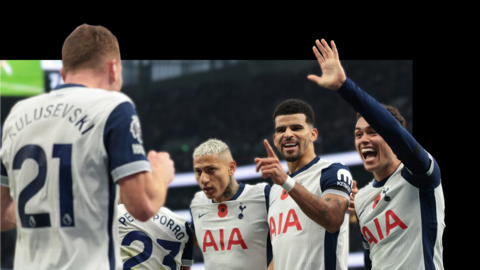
<point>199,216</point>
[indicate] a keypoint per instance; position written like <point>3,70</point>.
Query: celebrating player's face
<point>376,155</point>
<point>212,175</point>
<point>292,136</point>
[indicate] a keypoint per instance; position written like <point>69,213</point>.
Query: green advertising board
<point>21,78</point>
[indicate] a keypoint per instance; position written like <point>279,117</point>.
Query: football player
<point>63,154</point>
<point>401,213</point>
<point>162,242</point>
<point>308,206</point>
<point>228,218</point>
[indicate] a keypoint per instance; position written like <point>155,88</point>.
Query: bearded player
<point>229,218</point>
<point>401,212</point>
<point>308,206</point>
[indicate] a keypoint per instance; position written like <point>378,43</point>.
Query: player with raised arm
<point>308,206</point>
<point>228,218</point>
<point>63,154</point>
<point>163,242</point>
<point>401,213</point>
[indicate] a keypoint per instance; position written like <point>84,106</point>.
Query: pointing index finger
<point>269,149</point>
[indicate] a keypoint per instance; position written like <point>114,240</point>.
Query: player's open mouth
<point>369,154</point>
<point>289,146</point>
<point>208,190</point>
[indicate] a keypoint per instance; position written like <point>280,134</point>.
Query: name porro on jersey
<point>163,220</point>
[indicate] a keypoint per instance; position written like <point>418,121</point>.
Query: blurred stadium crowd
<point>234,102</point>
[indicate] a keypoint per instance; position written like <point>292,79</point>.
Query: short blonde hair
<point>210,147</point>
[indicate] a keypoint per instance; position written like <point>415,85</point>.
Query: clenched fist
<point>162,166</point>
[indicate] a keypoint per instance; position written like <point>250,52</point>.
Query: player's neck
<point>89,79</point>
<point>385,172</point>
<point>230,191</point>
<point>302,162</point>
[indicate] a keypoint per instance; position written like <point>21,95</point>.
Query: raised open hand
<point>333,75</point>
<point>271,166</point>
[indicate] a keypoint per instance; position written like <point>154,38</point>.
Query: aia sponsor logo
<point>291,221</point>
<point>391,222</point>
<point>284,195</point>
<point>235,238</point>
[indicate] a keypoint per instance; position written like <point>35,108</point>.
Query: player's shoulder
<point>257,191</point>
<point>363,193</point>
<point>28,102</point>
<point>257,187</point>
<point>332,165</point>
<point>108,96</point>
<point>169,213</point>
<point>121,209</point>
<point>199,198</point>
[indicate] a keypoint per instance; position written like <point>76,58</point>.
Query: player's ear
<point>232,167</point>
<point>113,70</point>
<point>313,134</point>
<point>274,141</point>
<point>62,73</point>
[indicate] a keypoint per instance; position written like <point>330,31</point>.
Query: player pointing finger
<point>271,166</point>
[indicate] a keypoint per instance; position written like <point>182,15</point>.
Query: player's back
<point>162,242</point>
<point>59,179</point>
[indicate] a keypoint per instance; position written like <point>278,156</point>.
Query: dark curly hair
<point>394,111</point>
<point>294,106</point>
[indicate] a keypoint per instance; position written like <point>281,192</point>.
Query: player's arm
<point>270,266</point>
<point>185,268</point>
<point>187,255</point>
<point>144,193</point>
<point>402,143</point>
<point>7,206</point>
<point>328,211</point>
<point>143,181</point>
<point>8,218</point>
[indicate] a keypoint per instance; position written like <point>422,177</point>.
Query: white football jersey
<point>299,242</point>
<point>163,242</point>
<point>404,214</point>
<point>63,152</point>
<point>233,234</point>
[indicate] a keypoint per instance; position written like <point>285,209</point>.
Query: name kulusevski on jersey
<point>402,217</point>
<point>162,242</point>
<point>63,152</point>
<point>299,242</point>
<point>234,234</point>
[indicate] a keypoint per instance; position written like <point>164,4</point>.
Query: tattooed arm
<point>328,211</point>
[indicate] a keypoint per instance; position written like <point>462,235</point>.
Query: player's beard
<point>298,155</point>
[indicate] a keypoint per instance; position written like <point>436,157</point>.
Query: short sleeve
<point>3,170</point>
<point>187,256</point>
<point>336,179</point>
<point>123,142</point>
